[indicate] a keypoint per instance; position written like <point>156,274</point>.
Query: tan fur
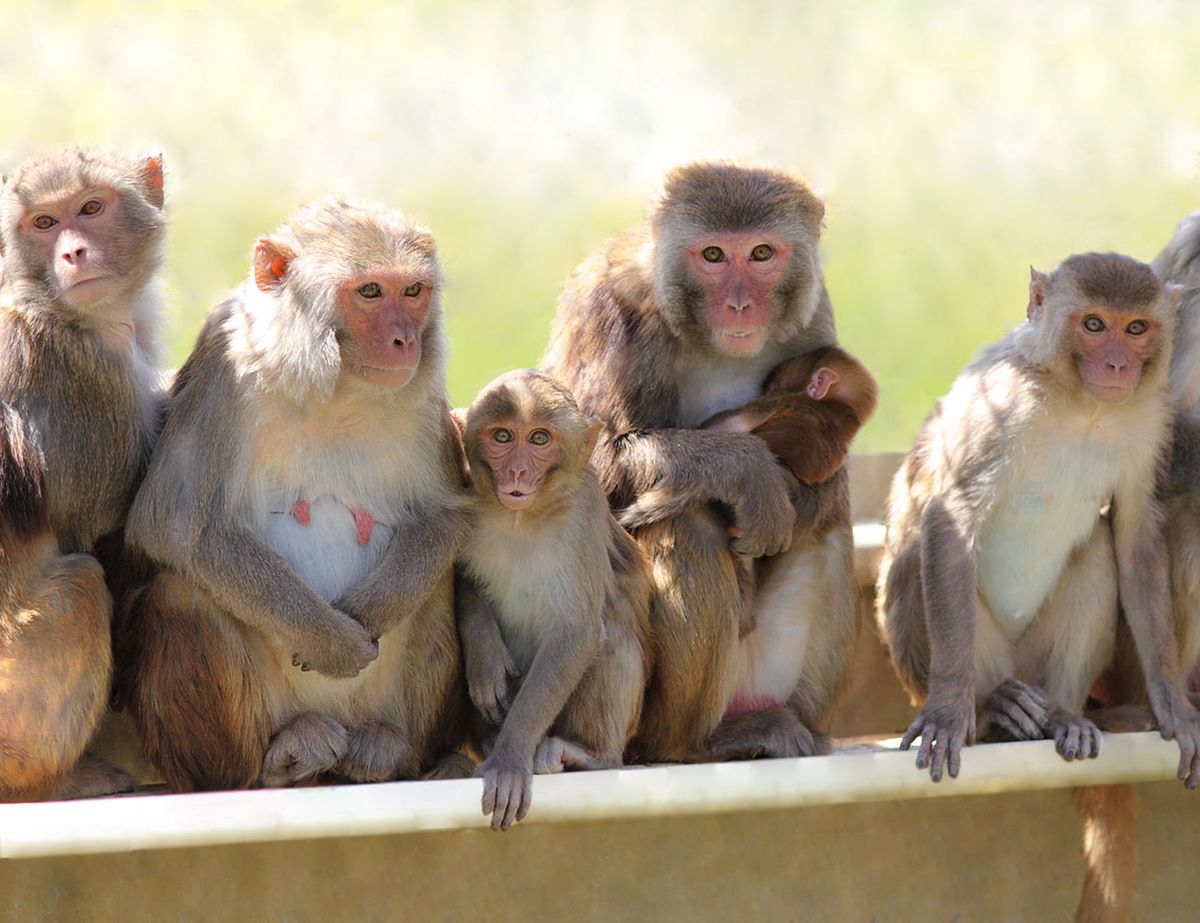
<point>568,598</point>
<point>630,341</point>
<point>273,648</point>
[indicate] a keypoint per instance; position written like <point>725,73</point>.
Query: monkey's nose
<point>75,256</point>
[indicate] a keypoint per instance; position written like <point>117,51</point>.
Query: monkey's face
<point>382,316</point>
<point>519,454</point>
<point>738,274</point>
<point>1111,347</point>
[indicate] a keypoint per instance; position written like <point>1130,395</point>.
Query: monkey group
<point>293,562</point>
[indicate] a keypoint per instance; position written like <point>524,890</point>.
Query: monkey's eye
<point>712,254</point>
<point>502,435</point>
<point>370,290</point>
<point>1137,328</point>
<point>1093,324</point>
<point>539,437</point>
<point>762,253</point>
<point>44,222</point>
<point>92,207</point>
<point>413,290</point>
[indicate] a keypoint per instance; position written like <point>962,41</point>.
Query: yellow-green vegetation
<point>956,142</point>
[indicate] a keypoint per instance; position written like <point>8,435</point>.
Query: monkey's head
<point>84,227</point>
<point>527,440</point>
<point>1102,324</point>
<point>346,292</point>
<point>736,264</point>
<point>827,374</point>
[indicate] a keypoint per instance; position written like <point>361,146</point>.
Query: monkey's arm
<point>488,664</point>
<point>1145,598</point>
<point>557,669</point>
<point>672,470</point>
<point>421,552</point>
<point>947,720</point>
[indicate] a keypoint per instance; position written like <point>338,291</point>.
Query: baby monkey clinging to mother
<point>562,611</point>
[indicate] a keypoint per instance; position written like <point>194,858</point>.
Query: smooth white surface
<point>165,821</point>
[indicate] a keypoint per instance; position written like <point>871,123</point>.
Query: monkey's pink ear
<point>590,437</point>
<point>1039,284</point>
<point>152,178</point>
<point>271,260</point>
<point>822,380</point>
<point>1174,292</point>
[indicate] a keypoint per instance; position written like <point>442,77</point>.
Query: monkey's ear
<point>152,178</point>
<point>590,437</point>
<point>1039,285</point>
<point>1173,290</point>
<point>271,259</point>
<point>458,416</point>
<point>822,380</point>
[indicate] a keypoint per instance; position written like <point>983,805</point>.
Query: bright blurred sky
<point>956,142</point>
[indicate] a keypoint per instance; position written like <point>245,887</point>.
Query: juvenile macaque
<point>305,507</point>
<point>811,409</point>
<point>674,322</point>
<point>1000,584</point>
<point>565,593</point>
<point>81,234</point>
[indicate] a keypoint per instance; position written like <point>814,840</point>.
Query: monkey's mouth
<point>516,499</point>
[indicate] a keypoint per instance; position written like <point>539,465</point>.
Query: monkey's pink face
<point>739,272</point>
<point>1111,348</point>
<point>520,454</point>
<point>383,314</point>
<point>70,237</point>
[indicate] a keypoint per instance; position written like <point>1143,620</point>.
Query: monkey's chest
<point>1050,508</point>
<point>331,543</point>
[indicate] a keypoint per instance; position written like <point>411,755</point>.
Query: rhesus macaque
<point>566,593</point>
<point>811,409</point>
<point>305,506</point>
<point>81,233</point>
<point>1001,578</point>
<point>675,322</point>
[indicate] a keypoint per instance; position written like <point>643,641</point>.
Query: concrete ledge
<point>858,773</point>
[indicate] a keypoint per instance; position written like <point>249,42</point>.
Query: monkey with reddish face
<point>1001,578</point>
<point>564,612</point>
<point>81,236</point>
<point>675,322</point>
<point>305,507</point>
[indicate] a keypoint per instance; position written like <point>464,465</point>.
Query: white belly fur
<point>1050,508</point>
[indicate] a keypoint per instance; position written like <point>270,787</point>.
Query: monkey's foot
<point>1075,737</point>
<point>310,745</point>
<point>1015,711</point>
<point>451,766</point>
<point>377,752</point>
<point>92,777</point>
<point>775,733</point>
<point>557,755</point>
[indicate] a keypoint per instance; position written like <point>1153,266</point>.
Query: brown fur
<point>263,414</point>
<point>566,617</point>
<point>631,343</point>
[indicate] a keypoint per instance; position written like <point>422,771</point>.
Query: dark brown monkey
<point>1001,578</point>
<point>674,322</point>
<point>811,409</point>
<point>81,234</point>
<point>567,593</point>
<point>305,505</point>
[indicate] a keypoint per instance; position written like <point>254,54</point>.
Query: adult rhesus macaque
<point>81,233</point>
<point>305,506</point>
<point>1001,577</point>
<point>567,593</point>
<point>676,321</point>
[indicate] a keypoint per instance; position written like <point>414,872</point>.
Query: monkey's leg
<point>376,752</point>
<point>91,777</point>
<point>304,748</point>
<point>771,732</point>
<point>197,695</point>
<point>901,619</point>
<point>1183,544</point>
<point>694,625</point>
<point>451,766</point>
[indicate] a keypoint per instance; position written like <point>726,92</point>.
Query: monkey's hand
<point>490,678</point>
<point>945,724</point>
<point>507,786</point>
<point>1178,720</point>
<point>335,646</point>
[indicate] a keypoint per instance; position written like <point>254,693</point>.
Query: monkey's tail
<point>1108,851</point>
<point>23,512</point>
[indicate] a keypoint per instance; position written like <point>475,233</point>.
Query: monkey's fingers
<point>913,732</point>
<point>1189,760</point>
<point>1066,741</point>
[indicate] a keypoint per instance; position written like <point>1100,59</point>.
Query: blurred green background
<point>955,142</point>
